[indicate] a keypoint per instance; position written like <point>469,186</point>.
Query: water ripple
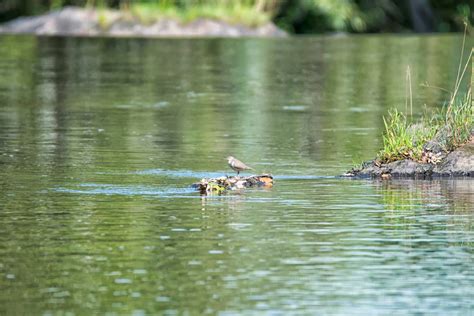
<point>110,189</point>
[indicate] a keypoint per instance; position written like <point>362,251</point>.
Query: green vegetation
<point>295,16</point>
<point>459,120</point>
<point>450,128</point>
<point>405,139</point>
<point>245,12</point>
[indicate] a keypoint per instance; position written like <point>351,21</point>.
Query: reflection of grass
<point>400,198</point>
<point>450,128</point>
<point>232,11</point>
<point>410,203</point>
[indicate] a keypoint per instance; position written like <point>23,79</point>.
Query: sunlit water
<point>100,140</point>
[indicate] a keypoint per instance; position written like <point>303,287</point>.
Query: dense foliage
<point>297,16</point>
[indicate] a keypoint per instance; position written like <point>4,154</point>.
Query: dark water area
<point>101,138</point>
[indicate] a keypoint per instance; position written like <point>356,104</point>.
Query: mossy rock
<point>223,184</point>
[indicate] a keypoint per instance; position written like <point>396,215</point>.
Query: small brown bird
<point>237,165</point>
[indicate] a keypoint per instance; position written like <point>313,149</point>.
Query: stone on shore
<point>457,163</point>
<point>75,21</point>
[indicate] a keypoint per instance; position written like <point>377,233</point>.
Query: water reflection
<point>457,193</point>
<point>101,138</point>
<point>168,102</point>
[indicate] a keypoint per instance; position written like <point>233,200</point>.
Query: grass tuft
<point>403,140</point>
<point>459,119</point>
<point>449,128</point>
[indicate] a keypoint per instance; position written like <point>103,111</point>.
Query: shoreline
<point>75,21</point>
<point>458,163</point>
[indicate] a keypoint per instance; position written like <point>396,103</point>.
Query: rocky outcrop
<point>458,163</point>
<point>74,21</point>
<point>222,184</point>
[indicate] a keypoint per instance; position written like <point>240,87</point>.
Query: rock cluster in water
<point>223,184</point>
<point>74,21</point>
<point>458,163</point>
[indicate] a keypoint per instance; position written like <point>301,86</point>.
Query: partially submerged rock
<point>75,21</point>
<point>222,184</point>
<point>458,163</point>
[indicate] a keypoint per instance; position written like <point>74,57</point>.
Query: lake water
<point>100,140</point>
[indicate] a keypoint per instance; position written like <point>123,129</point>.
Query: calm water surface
<point>101,138</point>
